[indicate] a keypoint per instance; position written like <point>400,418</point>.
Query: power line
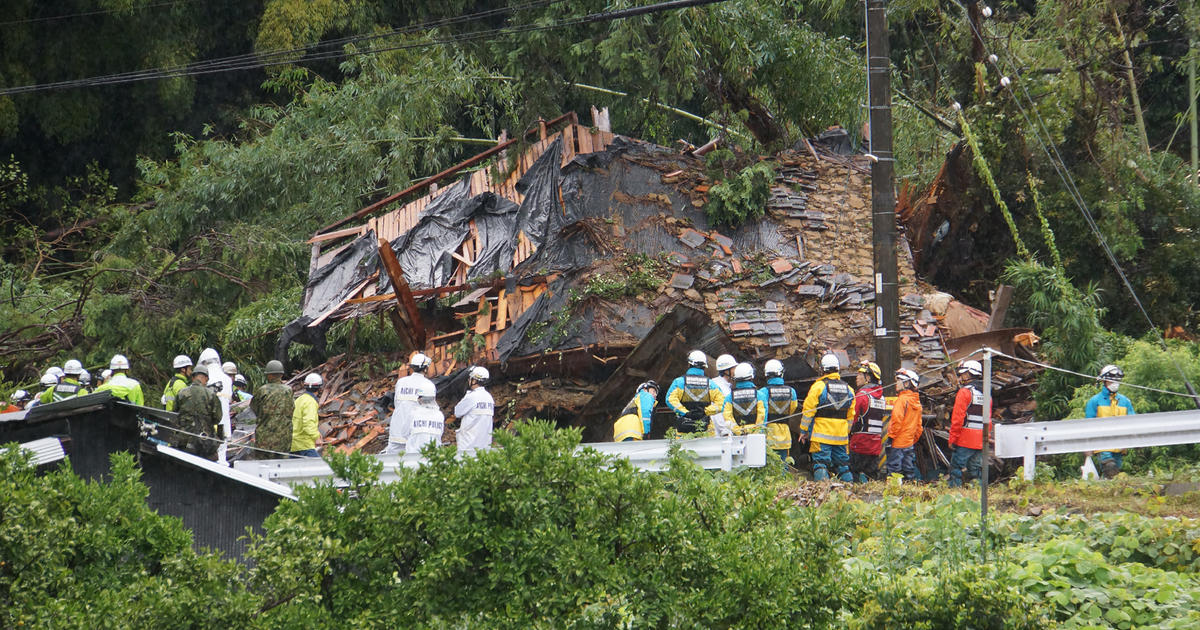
<point>286,57</point>
<point>68,16</point>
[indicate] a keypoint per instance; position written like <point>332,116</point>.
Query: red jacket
<point>862,439</point>
<point>966,422</point>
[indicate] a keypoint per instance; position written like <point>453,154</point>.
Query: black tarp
<point>424,252</point>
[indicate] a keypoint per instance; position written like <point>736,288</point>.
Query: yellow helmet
<point>870,367</point>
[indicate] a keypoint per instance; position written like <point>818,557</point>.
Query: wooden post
<point>414,330</point>
<point>1004,295</point>
<point>883,195</point>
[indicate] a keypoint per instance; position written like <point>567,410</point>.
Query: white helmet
<point>105,375</point>
<point>478,373</point>
<point>72,367</point>
<point>743,372</point>
<point>830,362</point>
<point>49,380</point>
<point>56,371</point>
<point>119,362</point>
<point>240,380</point>
<point>697,358</point>
<point>230,368</point>
<point>774,367</point>
<point>209,356</point>
<point>971,367</point>
<point>909,376</point>
<point>1112,373</point>
<point>426,392</point>
<point>181,361</point>
<point>85,377</point>
<point>19,396</point>
<point>725,362</point>
<point>313,380</point>
<point>419,361</point>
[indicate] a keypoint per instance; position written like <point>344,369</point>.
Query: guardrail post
<point>1030,457</point>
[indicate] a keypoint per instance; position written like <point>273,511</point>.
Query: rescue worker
<point>966,425</point>
<point>905,428</point>
<point>475,412</point>
<point>105,374</point>
<point>273,406</point>
<point>1107,403</point>
<point>183,371</point>
<point>724,382</point>
<point>870,415</point>
<point>222,386</point>
<point>426,421</point>
<point>405,401</point>
<point>120,385</point>
<point>56,371</point>
<point>199,413</point>
<point>780,401</point>
<point>17,401</point>
<point>825,421</point>
<point>637,417</point>
<point>744,412</point>
<point>694,397</point>
<point>305,420</point>
<point>68,386</point>
<point>241,390</point>
<point>85,379</point>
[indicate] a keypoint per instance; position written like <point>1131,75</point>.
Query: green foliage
<point>635,274</point>
<point>738,195</point>
<point>78,554</point>
<point>1068,319</point>
<point>533,535</point>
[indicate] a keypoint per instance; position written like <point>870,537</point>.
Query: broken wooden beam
<point>407,306</point>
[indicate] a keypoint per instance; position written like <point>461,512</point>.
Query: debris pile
<point>558,274</point>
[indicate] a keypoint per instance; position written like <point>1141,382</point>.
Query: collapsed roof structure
<point>588,256</point>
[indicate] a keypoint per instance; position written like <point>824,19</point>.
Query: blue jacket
<point>1107,404</point>
<point>675,401</point>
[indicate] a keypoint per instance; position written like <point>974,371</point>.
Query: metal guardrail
<point>1095,434</point>
<point>649,455</point>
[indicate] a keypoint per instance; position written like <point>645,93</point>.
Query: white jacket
<point>405,400</point>
<point>427,426</point>
<point>475,412</point>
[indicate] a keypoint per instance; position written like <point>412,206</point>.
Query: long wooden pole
<point>883,199</point>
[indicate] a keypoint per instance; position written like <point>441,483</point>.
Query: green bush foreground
<point>531,535</point>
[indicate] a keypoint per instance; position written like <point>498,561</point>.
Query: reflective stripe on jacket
<point>176,385</point>
<point>743,411</point>
<point>966,421</point>
<point>871,413</point>
<point>781,401</point>
<point>124,388</point>
<point>828,410</point>
<point>694,390</point>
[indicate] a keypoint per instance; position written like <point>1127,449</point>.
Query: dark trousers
<point>864,467</point>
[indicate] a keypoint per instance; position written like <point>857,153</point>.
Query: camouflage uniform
<point>273,405</point>
<point>199,412</point>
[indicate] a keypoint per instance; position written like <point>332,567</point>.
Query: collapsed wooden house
<point>587,258</point>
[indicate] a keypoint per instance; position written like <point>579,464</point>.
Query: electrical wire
<point>1090,377</point>
<point>287,57</point>
<point>68,16</point>
<point>274,57</point>
<point>1060,167</point>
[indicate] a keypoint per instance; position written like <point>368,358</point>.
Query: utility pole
<point>883,197</point>
<point>1192,94</point>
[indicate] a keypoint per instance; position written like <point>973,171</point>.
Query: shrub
<point>532,535</point>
